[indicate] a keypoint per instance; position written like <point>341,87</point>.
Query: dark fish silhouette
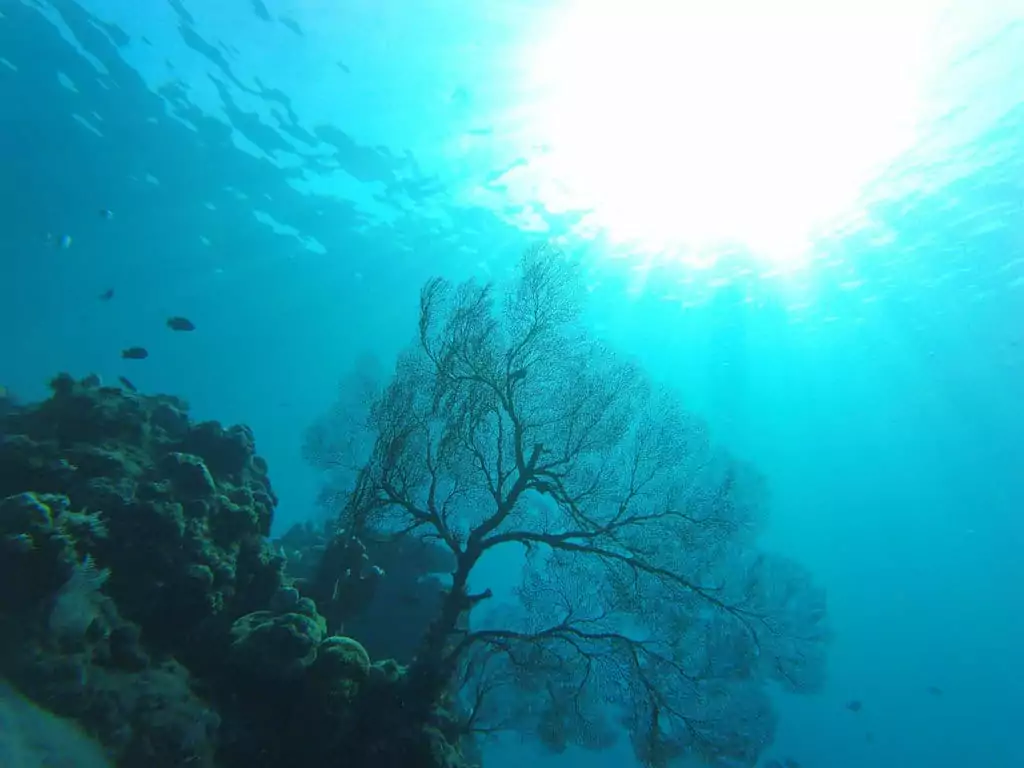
<point>934,690</point>
<point>127,384</point>
<point>854,705</point>
<point>180,324</point>
<point>107,295</point>
<point>134,353</point>
<point>106,213</point>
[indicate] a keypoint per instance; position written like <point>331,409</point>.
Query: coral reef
<point>367,587</point>
<point>142,598</point>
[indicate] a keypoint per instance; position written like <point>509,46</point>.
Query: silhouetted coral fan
<point>140,597</point>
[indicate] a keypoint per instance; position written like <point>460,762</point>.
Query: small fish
<point>934,690</point>
<point>107,295</point>
<point>854,705</point>
<point>106,213</point>
<point>65,241</point>
<point>127,384</point>
<point>134,353</point>
<point>180,324</point>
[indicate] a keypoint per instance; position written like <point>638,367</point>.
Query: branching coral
<point>645,598</point>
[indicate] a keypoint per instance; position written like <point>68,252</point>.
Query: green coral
<point>276,646</point>
<point>342,667</point>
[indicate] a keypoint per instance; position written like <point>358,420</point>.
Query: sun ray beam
<point>689,127</point>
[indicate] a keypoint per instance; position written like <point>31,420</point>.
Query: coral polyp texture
<point>141,597</point>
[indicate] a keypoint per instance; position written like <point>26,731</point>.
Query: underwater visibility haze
<point>443,383</point>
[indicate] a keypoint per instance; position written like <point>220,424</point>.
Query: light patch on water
<point>67,82</point>
<point>9,64</point>
<point>682,127</point>
<point>171,110</point>
<point>54,16</point>
<point>365,196</point>
<point>309,243</point>
<point>86,124</point>
<point>244,143</point>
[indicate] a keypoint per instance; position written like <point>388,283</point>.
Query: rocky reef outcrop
<point>369,587</point>
<point>139,595</point>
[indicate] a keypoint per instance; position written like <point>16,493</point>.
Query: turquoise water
<point>812,225</point>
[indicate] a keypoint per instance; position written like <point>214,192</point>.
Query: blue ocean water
<point>810,223</point>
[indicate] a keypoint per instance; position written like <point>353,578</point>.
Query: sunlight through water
<point>690,127</point>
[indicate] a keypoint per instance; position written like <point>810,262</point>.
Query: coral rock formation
<point>142,598</point>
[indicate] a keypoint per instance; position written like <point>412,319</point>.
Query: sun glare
<point>687,126</point>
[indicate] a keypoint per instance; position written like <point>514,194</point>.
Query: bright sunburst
<point>687,125</point>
